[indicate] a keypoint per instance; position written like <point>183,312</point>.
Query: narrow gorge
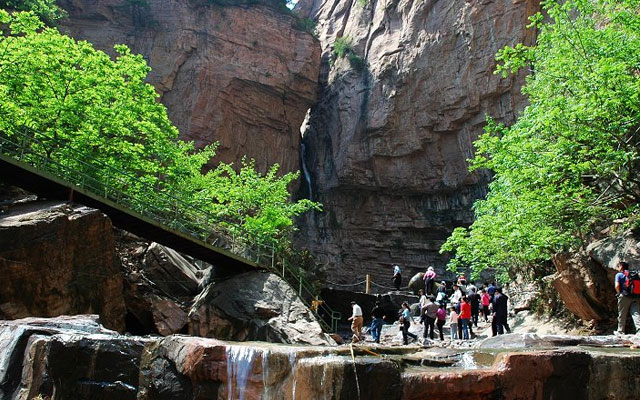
<point>377,106</point>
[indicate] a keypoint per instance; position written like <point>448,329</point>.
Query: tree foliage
<point>47,10</point>
<point>93,107</point>
<point>570,162</point>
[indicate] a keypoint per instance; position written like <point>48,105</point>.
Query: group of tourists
<point>462,306</point>
<point>466,305</point>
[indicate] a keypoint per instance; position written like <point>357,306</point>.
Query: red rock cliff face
<point>243,76</point>
<point>386,146</point>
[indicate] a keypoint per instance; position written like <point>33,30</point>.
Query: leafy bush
<point>307,24</point>
<point>47,10</point>
<point>342,46</point>
<point>89,104</point>
<point>570,162</point>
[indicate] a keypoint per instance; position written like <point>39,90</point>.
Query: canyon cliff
<point>387,143</point>
<point>240,75</point>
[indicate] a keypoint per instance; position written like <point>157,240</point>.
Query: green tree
<point>88,106</point>
<point>570,162</point>
<point>47,10</point>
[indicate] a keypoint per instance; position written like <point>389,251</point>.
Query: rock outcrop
<point>167,293</point>
<point>585,279</point>
<point>75,358</point>
<point>58,258</point>
<point>243,75</point>
<point>386,146</point>
<point>254,306</point>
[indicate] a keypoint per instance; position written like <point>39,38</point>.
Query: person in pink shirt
<point>429,281</point>
<point>453,323</point>
<point>485,304</point>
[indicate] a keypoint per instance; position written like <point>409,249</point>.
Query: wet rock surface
<point>76,358</point>
<point>58,258</point>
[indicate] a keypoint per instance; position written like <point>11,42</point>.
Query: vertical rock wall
<point>58,259</point>
<point>387,143</point>
<point>240,75</point>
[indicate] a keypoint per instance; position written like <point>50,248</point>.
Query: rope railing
<point>363,283</point>
<point>87,173</point>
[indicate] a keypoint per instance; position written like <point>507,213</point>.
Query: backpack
<point>632,284</point>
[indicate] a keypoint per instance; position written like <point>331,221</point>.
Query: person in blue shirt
<point>405,322</point>
<point>626,302</point>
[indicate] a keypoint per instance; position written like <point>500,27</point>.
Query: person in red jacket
<point>465,317</point>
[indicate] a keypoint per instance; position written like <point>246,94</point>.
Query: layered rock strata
<point>77,359</point>
<point>240,75</point>
<point>387,143</point>
<point>58,258</point>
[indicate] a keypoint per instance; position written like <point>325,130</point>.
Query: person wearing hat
<point>356,322</point>
<point>429,281</point>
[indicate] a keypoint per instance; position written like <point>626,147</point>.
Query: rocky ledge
<point>76,358</point>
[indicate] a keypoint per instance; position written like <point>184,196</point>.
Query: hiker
<point>430,316</point>
<point>474,300</point>
<point>485,305</point>
<point>500,313</point>
<point>627,301</point>
<point>441,297</point>
<point>462,284</point>
<point>491,289</point>
<point>471,288</point>
<point>465,317</point>
<point>441,314</point>
<point>429,280</point>
<point>453,323</point>
<point>456,296</point>
<point>377,315</point>
<point>405,322</point>
<point>356,322</point>
<point>422,303</point>
<point>397,277</point>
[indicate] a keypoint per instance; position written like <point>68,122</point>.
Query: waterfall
<point>240,361</point>
<point>305,171</point>
<point>292,362</point>
<point>467,361</point>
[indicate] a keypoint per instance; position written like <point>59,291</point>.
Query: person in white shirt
<point>356,322</point>
<point>397,277</point>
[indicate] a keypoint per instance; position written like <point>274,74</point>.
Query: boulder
<point>416,282</point>
<point>58,258</point>
<point>73,357</point>
<point>254,306</point>
<point>585,285</point>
